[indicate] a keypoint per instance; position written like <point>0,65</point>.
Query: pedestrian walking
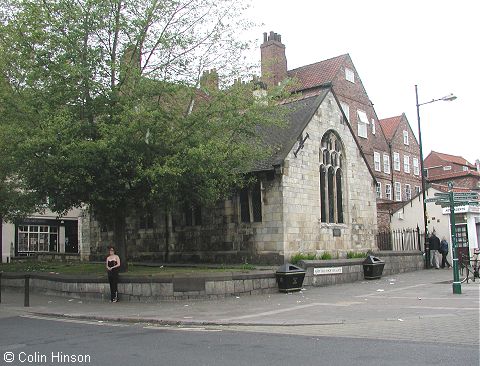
<point>113,266</point>
<point>434,248</point>
<point>444,252</point>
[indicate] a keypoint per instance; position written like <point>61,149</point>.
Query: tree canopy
<point>101,103</point>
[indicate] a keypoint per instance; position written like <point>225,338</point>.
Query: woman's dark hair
<point>111,247</point>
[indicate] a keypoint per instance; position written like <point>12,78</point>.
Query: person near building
<point>434,248</point>
<point>113,266</point>
<point>444,252</point>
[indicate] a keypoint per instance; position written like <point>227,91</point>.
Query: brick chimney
<point>273,59</point>
<point>477,163</point>
<point>209,80</point>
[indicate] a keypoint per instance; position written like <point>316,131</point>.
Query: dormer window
<point>349,75</point>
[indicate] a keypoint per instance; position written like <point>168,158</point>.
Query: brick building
<point>389,145</point>
<point>442,168</point>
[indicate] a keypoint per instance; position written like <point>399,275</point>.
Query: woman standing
<point>113,266</point>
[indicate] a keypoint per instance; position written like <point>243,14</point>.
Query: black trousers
<point>444,260</point>
<point>113,281</point>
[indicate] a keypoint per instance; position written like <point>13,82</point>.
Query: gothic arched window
<point>331,181</point>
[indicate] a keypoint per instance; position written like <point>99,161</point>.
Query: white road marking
<point>183,329</point>
<point>274,312</point>
<point>75,321</point>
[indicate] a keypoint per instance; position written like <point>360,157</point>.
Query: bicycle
<point>470,266</point>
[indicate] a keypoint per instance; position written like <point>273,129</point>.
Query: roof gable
<point>282,139</point>
<point>317,74</point>
<point>389,126</point>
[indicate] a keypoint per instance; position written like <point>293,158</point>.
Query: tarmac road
<point>32,339</point>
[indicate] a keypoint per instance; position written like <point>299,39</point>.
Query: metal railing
<point>26,277</point>
<point>401,240</point>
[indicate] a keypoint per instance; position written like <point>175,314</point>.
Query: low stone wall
<point>148,288</point>
<point>336,271</point>
<point>206,286</point>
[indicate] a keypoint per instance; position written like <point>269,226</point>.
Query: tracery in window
<point>331,181</point>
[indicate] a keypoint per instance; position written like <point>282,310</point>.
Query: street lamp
<point>447,98</point>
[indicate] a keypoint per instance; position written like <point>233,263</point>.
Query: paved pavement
<point>418,306</point>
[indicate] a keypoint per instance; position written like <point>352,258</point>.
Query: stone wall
<point>304,231</point>
<point>141,289</point>
<point>352,269</point>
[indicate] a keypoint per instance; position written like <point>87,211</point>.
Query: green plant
<point>326,256</point>
<point>351,255</point>
<point>301,256</point>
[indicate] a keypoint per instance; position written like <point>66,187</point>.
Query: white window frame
<point>396,161</point>
<point>447,167</point>
<point>416,169</point>
<point>349,75</point>
<point>373,127</point>
<point>362,124</point>
<point>408,192</point>
<point>388,191</point>
<point>379,190</point>
<point>465,168</point>
<point>346,110</point>
<point>406,163</point>
<point>418,189</point>
<point>405,137</point>
<point>377,161</point>
<point>398,192</point>
<point>386,164</point>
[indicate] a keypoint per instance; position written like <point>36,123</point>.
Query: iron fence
<point>401,240</point>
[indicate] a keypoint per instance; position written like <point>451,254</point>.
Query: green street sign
<point>469,195</point>
<point>441,194</point>
<point>432,200</point>
<point>457,203</point>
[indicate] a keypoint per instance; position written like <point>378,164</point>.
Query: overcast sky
<point>394,45</point>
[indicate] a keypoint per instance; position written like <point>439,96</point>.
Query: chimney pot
<point>265,37</point>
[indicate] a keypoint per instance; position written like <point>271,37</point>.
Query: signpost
<point>453,199</point>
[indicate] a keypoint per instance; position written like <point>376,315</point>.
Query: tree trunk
<point>119,225</point>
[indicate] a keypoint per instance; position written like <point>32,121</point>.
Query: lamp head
<point>449,97</point>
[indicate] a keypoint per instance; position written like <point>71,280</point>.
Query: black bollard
<point>27,291</point>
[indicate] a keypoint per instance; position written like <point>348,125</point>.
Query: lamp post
<point>446,98</point>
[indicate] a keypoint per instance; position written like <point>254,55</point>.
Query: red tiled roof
<point>389,126</point>
<point>453,159</point>
<point>316,74</point>
<point>448,175</point>
<point>444,188</point>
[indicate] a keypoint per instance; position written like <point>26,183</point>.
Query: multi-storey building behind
<point>389,145</point>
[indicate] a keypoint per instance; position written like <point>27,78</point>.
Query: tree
<point>102,105</point>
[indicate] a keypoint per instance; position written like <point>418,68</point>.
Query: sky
<point>394,46</point>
